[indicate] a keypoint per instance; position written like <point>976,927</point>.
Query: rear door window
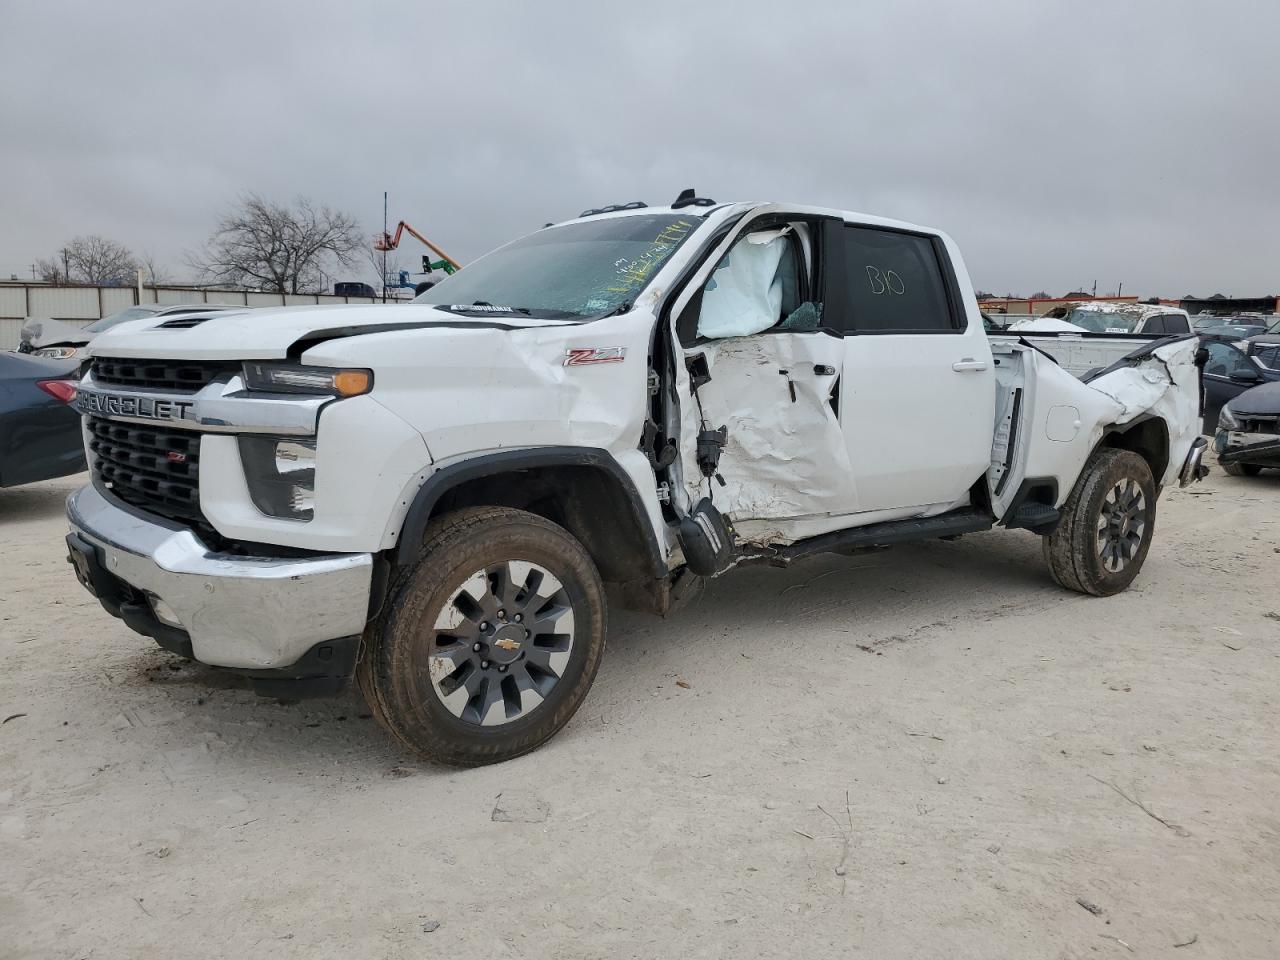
<point>1176,323</point>
<point>895,283</point>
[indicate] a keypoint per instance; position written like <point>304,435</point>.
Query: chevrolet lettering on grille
<point>144,408</point>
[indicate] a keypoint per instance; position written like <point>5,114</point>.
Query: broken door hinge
<point>664,492</point>
<point>654,383</point>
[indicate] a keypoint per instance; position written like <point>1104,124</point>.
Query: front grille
<point>1253,423</point>
<point>161,374</point>
<point>154,468</point>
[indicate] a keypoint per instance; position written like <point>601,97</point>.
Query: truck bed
<point>1081,354</point>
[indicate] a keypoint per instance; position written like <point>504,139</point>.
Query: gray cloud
<point>1060,143</point>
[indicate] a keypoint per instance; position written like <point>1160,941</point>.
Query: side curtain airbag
<point>744,294</point>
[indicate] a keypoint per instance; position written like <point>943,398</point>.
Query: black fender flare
<point>413,530</point>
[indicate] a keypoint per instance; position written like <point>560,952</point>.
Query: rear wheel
<point>1102,539</point>
<point>489,644</point>
<point>1241,469</point>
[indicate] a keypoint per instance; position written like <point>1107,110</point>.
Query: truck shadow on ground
<point>878,594</point>
<point>34,503</point>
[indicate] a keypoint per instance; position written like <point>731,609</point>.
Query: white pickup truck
<point>437,498</point>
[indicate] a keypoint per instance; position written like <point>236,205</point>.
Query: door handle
<point>824,370</point>
<point>968,363</point>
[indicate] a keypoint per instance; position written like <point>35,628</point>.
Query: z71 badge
<point>581,356</point>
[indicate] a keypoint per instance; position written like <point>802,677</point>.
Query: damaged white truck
<point>442,499</point>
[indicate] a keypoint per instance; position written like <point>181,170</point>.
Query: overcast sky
<point>1059,143</point>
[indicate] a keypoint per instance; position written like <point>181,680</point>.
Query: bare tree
<point>386,267</point>
<point>51,271</point>
<point>278,247</point>
<point>90,259</point>
<point>152,272</point>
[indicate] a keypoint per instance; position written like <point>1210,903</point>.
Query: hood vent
<point>182,323</point>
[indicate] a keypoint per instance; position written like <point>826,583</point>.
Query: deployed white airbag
<point>744,294</point>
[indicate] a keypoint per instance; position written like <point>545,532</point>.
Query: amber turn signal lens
<point>351,383</point>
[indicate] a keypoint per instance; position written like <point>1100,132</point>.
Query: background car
<point>1265,348</point>
<point>1100,316</point>
<point>40,434</point>
<point>59,340</point>
<point>1248,437</point>
<point>1228,372</point>
<point>1234,327</point>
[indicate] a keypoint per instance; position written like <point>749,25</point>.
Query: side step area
<point>1032,515</point>
<point>965,520</point>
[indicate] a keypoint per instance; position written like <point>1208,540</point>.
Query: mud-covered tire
<point>400,672</point>
<point>1240,469</point>
<point>1107,523</point>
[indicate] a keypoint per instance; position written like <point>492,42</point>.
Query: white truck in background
<point>442,499</point>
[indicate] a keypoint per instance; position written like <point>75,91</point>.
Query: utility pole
<point>66,266</point>
<point>384,253</point>
<point>1118,289</point>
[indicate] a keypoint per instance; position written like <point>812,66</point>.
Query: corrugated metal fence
<point>83,304</point>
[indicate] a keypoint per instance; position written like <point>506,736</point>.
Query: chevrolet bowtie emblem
<point>507,644</point>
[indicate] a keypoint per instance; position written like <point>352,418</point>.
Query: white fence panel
<point>171,298</point>
<point>235,298</point>
<point>65,303</point>
<point>13,302</point>
<point>9,328</point>
<point>115,299</point>
<point>262,299</point>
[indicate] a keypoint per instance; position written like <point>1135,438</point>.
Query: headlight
<point>295,378</point>
<point>57,353</point>
<point>281,475</point>
<point>1227,420</point>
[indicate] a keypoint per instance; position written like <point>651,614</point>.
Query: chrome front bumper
<point>255,613</point>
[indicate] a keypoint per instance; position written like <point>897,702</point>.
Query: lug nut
<point>503,668</point>
<point>484,625</point>
<point>484,664</point>
<point>475,647</point>
<point>519,618</point>
<point>502,614</point>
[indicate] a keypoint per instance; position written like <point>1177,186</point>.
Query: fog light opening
<point>164,613</point>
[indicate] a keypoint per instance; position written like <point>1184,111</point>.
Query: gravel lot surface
<point>930,751</point>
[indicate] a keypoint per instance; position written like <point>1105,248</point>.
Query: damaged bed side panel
<point>1063,420</point>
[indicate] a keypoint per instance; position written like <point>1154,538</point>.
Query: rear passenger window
<point>1176,323</point>
<point>1155,325</point>
<point>895,283</point>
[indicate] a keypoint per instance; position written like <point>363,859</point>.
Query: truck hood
<point>52,333</point>
<point>266,334</point>
<point>1263,400</point>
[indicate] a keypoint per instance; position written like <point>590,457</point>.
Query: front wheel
<point>489,644</point>
<point>1102,539</point>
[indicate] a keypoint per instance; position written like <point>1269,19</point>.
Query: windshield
<point>581,269</point>
<point>1100,321</point>
<point>129,313</point>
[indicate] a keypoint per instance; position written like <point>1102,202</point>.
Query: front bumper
<point>247,613</point>
<point>1234,446</point>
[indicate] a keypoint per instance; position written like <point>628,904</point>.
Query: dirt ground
<point>930,751</point>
